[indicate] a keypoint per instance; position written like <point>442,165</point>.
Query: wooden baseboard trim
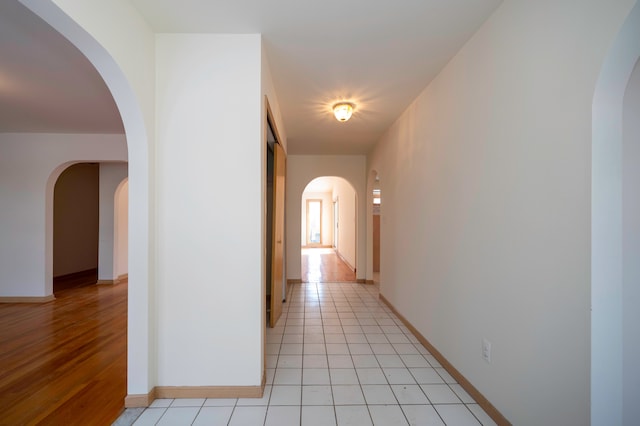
<point>33,299</point>
<point>350,266</point>
<point>294,281</point>
<point>142,400</point>
<point>171,392</point>
<point>145,400</point>
<point>361,281</point>
<point>121,279</point>
<point>369,282</point>
<point>209,391</point>
<point>466,385</point>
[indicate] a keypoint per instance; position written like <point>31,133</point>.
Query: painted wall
<point>302,169</point>
<point>121,226</point>
<point>347,220</point>
<point>209,209</point>
<point>29,167</point>
<point>486,212</point>
<point>127,60</point>
<point>327,216</point>
<point>631,251</point>
<point>75,219</point>
<point>111,176</point>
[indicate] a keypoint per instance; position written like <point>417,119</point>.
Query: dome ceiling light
<point>343,111</point>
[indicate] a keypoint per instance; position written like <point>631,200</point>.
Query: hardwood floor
<point>75,280</point>
<point>324,265</point>
<point>64,362</point>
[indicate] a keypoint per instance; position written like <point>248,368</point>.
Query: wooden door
<point>376,243</point>
<point>277,258</point>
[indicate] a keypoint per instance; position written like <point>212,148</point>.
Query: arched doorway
<point>329,230</point>
<point>615,294</point>
<point>124,63</point>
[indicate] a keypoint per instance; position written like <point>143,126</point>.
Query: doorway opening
<point>75,227</point>
<point>377,198</point>
<point>329,223</point>
<point>314,223</point>
<point>90,225</point>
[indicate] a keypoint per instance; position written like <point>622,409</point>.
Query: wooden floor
<point>64,362</point>
<point>75,280</point>
<point>322,265</point>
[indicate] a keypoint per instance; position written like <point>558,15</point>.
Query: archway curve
<point>606,225</point>
<point>333,191</point>
<point>300,171</point>
<point>132,91</point>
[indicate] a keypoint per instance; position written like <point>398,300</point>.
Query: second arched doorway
<point>329,230</point>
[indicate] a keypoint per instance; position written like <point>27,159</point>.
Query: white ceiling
<point>377,54</point>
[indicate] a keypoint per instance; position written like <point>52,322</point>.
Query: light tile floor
<point>337,356</point>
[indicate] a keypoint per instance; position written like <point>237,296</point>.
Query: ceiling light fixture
<point>343,111</point>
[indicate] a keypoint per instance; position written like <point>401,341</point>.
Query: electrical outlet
<point>486,350</point>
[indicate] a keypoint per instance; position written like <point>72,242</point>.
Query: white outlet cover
<point>486,350</point>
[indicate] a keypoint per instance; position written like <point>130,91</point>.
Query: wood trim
<point>145,400</point>
<point>369,282</point>
<point>121,279</point>
<point>353,269</point>
<point>489,408</point>
<point>28,299</point>
<point>209,391</point>
<point>294,281</point>
<point>75,274</point>
<point>271,117</point>
<point>142,400</point>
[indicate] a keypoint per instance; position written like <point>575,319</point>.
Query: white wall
<point>631,251</point>
<point>127,60</point>
<point>29,167</point>
<point>486,212</point>
<point>111,175</point>
<point>347,220</point>
<point>327,216</point>
<point>302,169</point>
<point>209,209</point>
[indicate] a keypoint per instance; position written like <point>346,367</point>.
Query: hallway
<point>323,265</point>
<point>337,356</point>
<point>64,362</point>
